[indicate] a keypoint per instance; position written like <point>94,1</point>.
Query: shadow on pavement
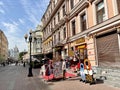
<point>99,81</point>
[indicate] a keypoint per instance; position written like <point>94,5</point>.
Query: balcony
<point>58,44</point>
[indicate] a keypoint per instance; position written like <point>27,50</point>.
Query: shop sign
<point>82,46</point>
<point>58,48</point>
<point>71,53</point>
<point>81,40</point>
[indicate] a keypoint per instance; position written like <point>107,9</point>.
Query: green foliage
<point>21,54</point>
<point>1,59</point>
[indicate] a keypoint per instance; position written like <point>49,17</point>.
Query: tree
<point>1,59</point>
<point>21,54</point>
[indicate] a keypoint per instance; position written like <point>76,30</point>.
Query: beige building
<point>37,41</point>
<point>89,27</point>
<point>3,46</point>
<point>36,44</point>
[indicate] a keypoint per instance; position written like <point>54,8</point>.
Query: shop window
<point>72,48</point>
<point>100,12</point>
<point>73,27</point>
<point>83,22</point>
<point>65,51</point>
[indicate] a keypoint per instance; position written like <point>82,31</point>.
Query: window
<point>118,2</point>
<point>63,10</point>
<point>54,39</point>
<point>83,22</point>
<point>72,3</point>
<point>58,36</point>
<point>55,1</point>
<point>73,27</point>
<point>58,16</point>
<point>100,12</point>
<point>65,51</point>
<point>64,33</point>
<point>51,25</point>
<point>54,22</point>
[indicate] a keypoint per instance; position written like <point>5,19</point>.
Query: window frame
<point>64,33</point>
<point>100,13</point>
<point>94,11</point>
<point>83,21</point>
<point>73,22</point>
<point>63,10</point>
<point>71,4</point>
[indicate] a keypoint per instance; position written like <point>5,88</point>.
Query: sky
<point>17,17</point>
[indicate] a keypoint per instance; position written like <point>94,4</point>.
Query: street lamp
<point>30,64</point>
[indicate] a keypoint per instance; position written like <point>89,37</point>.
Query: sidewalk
<point>69,74</point>
<point>75,84</point>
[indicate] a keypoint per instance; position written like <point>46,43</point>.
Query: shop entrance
<point>82,52</point>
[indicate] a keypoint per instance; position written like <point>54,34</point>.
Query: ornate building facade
<point>89,27</point>
<point>3,46</point>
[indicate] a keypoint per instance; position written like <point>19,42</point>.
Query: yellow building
<point>90,27</point>
<point>3,46</point>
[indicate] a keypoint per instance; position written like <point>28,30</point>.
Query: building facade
<point>89,27</point>
<point>14,53</point>
<point>3,46</point>
<point>36,44</point>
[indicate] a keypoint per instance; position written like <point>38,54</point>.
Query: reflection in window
<point>100,12</point>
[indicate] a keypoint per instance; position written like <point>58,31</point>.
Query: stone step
<point>113,83</point>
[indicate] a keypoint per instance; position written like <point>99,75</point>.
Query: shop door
<point>82,52</point>
<point>107,49</point>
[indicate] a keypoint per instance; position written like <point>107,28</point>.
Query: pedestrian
<point>24,64</point>
<point>64,68</point>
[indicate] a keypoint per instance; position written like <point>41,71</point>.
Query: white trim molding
<point>115,7</point>
<point>94,10</point>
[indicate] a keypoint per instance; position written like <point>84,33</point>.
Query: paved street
<point>77,85</point>
<point>15,78</point>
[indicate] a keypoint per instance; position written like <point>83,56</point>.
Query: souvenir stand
<point>88,72</point>
<point>57,71</point>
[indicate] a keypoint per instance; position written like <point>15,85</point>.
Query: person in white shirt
<point>64,68</point>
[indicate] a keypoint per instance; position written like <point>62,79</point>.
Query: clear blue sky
<point>17,17</point>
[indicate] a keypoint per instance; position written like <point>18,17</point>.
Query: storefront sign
<point>71,53</point>
<point>82,46</point>
<point>81,40</point>
<point>58,48</point>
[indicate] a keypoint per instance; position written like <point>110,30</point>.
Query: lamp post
<point>30,64</point>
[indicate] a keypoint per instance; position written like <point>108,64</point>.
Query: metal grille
<point>107,49</point>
